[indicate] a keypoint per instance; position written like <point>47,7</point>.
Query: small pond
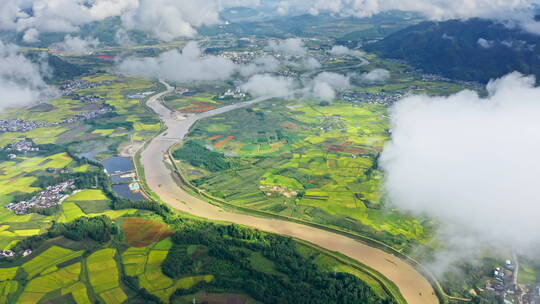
<point>117,164</point>
<point>124,191</point>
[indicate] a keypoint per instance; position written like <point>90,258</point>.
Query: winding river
<point>414,287</point>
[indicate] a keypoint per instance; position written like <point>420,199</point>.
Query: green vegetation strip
<point>389,287</point>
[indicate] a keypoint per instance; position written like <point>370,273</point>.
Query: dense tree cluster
<point>60,69</point>
<point>45,211</point>
<point>228,260</point>
<point>99,229</point>
<point>160,209</point>
<point>199,156</point>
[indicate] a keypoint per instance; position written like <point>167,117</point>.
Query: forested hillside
<point>476,49</point>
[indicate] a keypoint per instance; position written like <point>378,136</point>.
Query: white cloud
<point>294,47</point>
<point>486,44</point>
<point>518,45</point>
<point>263,64</point>
<point>186,66</point>
<point>283,8</point>
<point>169,19</point>
<point>325,85</point>
<point>376,75</point>
<point>323,91</point>
<point>166,19</point>
<point>77,45</point>
<point>59,15</point>
<point>433,9</point>
<point>236,3</point>
<point>268,85</point>
<point>470,162</point>
<point>31,36</point>
<point>122,38</point>
<point>20,80</point>
<point>291,47</point>
<point>340,50</point>
<point>520,11</point>
<point>311,63</point>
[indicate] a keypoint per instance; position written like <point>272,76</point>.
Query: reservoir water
<point>124,191</point>
<point>117,164</point>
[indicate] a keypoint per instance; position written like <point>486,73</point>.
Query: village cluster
<point>68,87</point>
<point>51,196</point>
<point>21,125</point>
<point>20,146</point>
<point>9,254</point>
<point>504,281</point>
<point>380,98</point>
<point>233,94</point>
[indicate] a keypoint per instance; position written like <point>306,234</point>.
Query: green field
<point>79,293</point>
<point>7,288</point>
<point>527,275</point>
<point>55,273</point>
<point>88,202</point>
<point>303,160</point>
<point>299,159</point>
<point>145,264</point>
<point>8,273</point>
<point>203,97</point>
<point>55,280</point>
<point>52,256</point>
<point>18,175</point>
<point>102,270</point>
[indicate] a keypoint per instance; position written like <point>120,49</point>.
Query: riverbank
<point>162,181</point>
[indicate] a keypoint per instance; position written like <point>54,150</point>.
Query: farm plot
<point>134,260</point>
<point>7,288</point>
<point>50,257</point>
<point>79,293</point>
<point>55,280</point>
<point>142,232</point>
<point>90,201</point>
<point>48,282</point>
<point>145,263</point>
<point>8,273</point>
<point>102,270</point>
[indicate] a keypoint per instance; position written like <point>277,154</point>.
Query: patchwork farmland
<point>304,160</point>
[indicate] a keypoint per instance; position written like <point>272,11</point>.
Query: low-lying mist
<point>21,81</point>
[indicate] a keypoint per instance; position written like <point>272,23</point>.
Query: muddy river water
<point>414,287</point>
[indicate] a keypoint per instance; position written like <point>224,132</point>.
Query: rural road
<point>413,286</point>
